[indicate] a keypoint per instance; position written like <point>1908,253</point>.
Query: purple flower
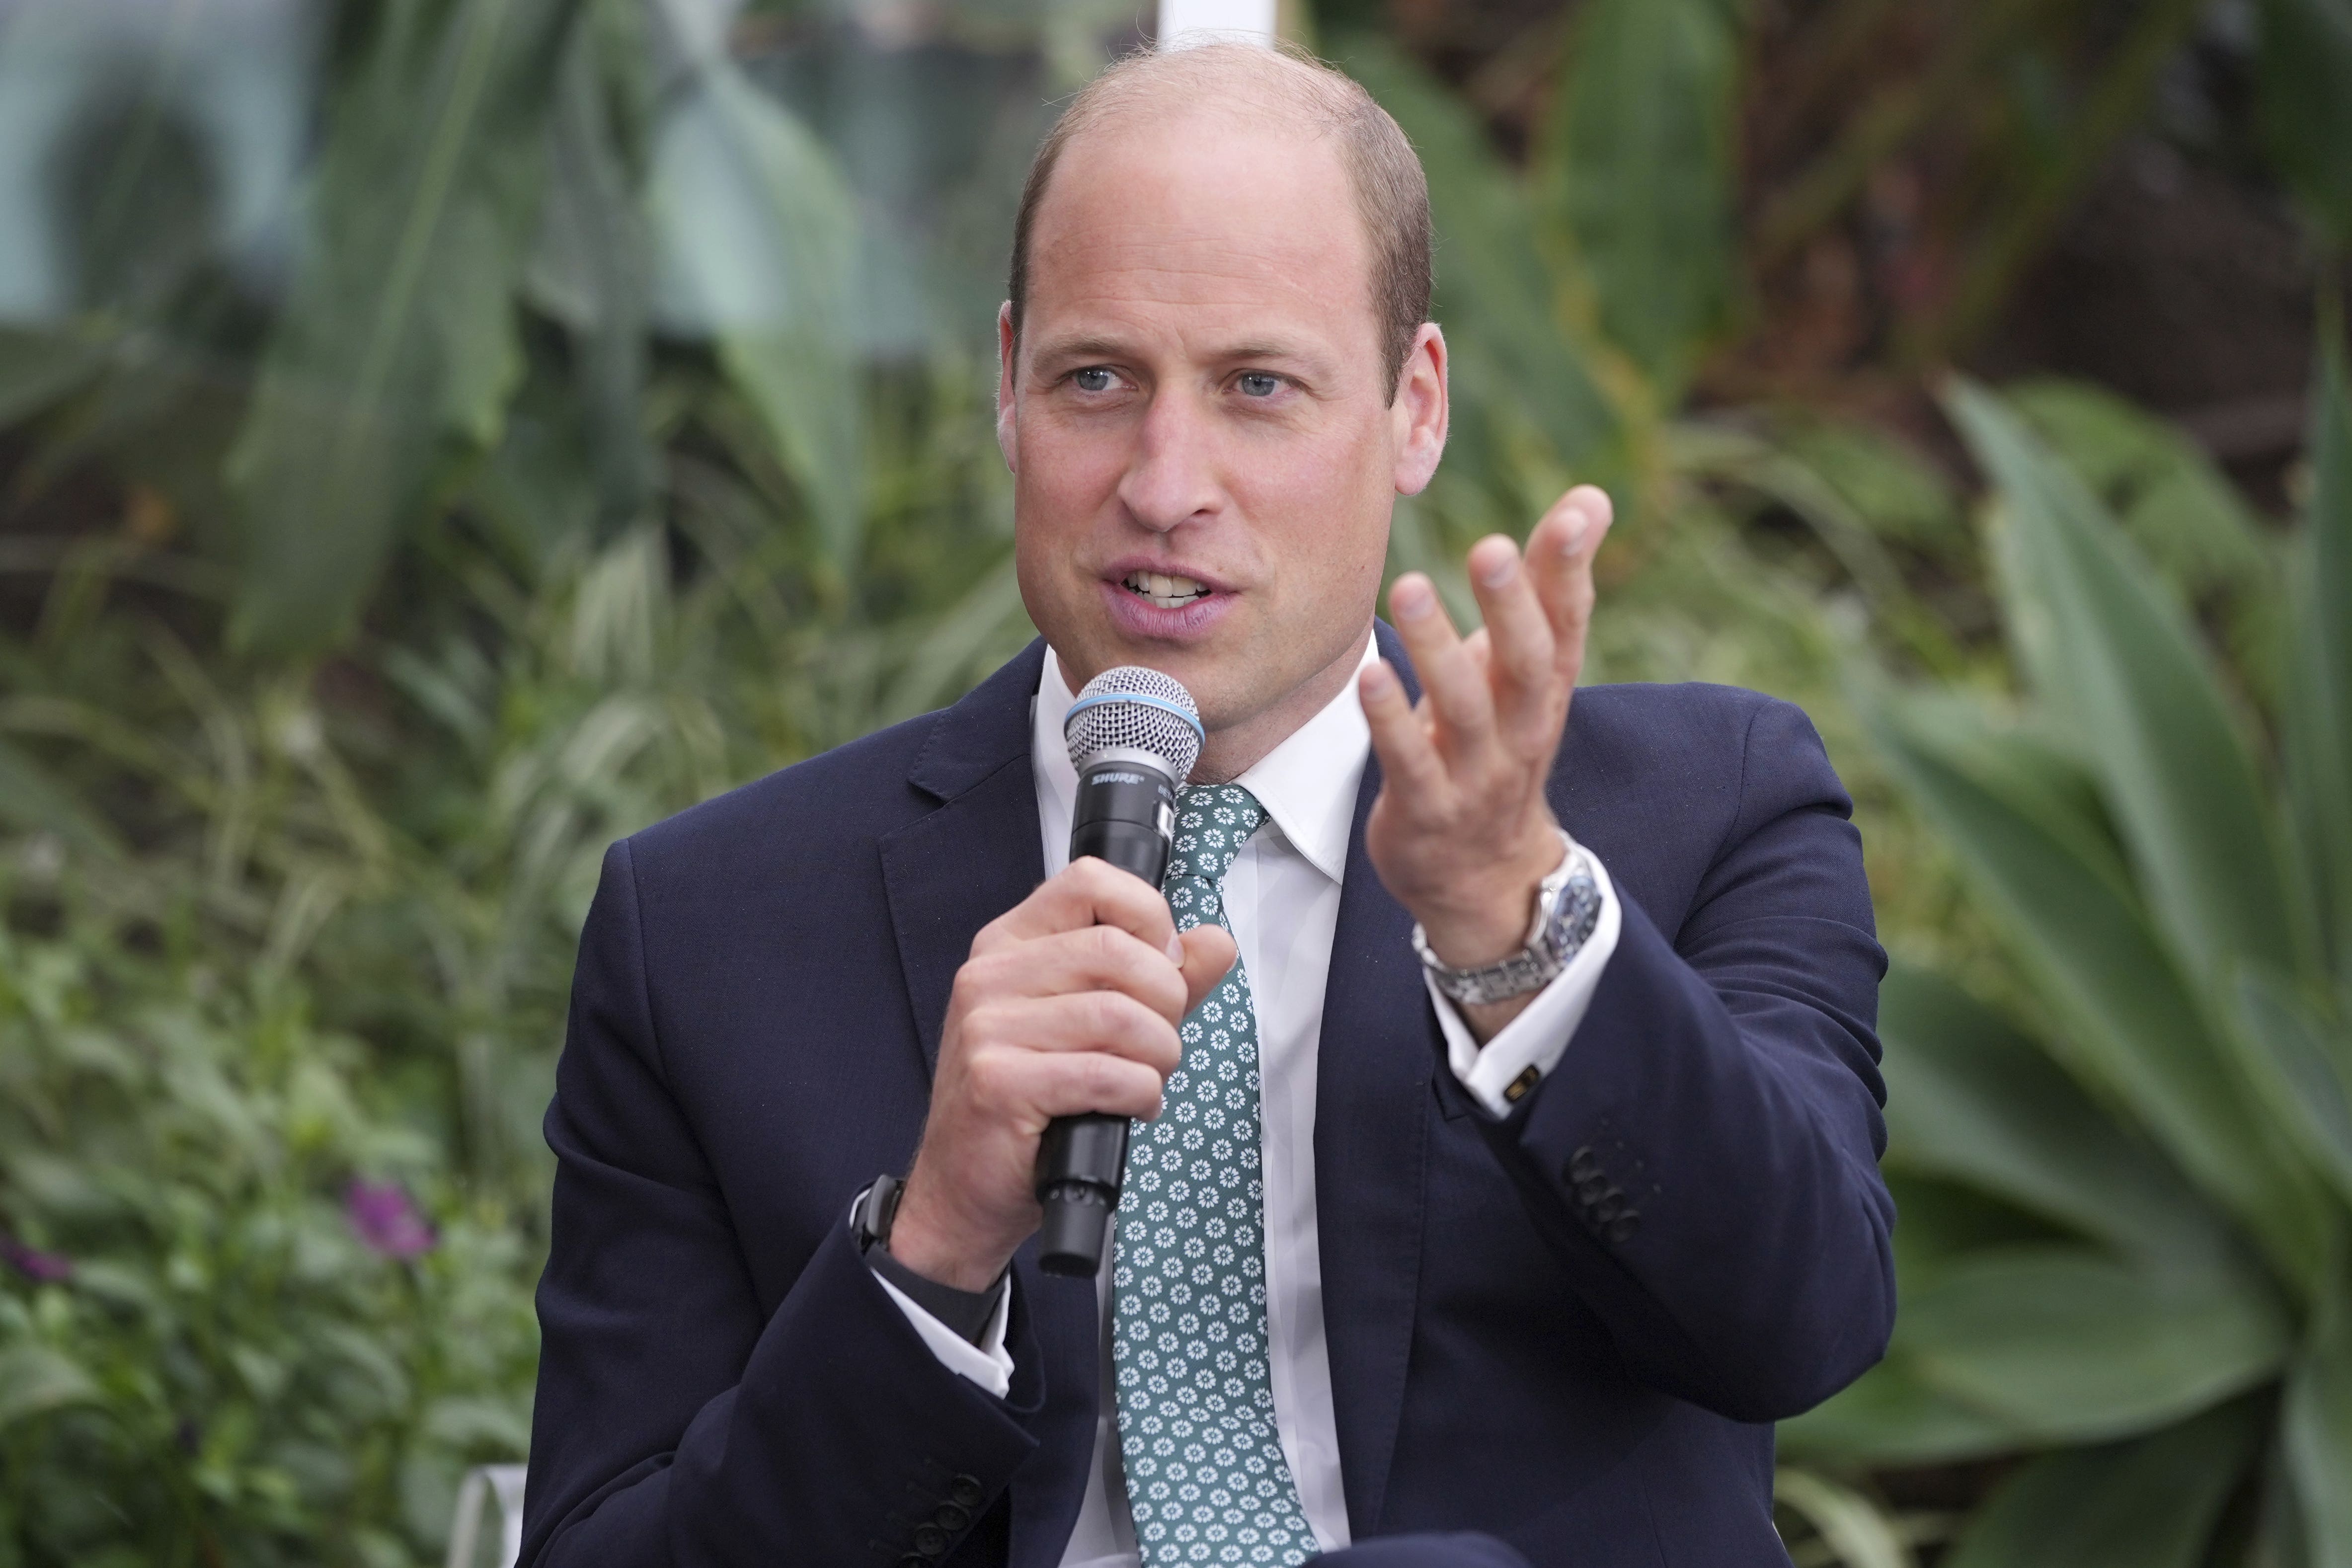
<point>386,1220</point>
<point>49,1268</point>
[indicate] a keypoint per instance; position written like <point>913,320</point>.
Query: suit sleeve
<point>676,1422</point>
<point>1704,1154</point>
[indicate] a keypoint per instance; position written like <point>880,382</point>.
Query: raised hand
<point>1462,833</point>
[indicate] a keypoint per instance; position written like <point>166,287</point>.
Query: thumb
<point>1209,952</point>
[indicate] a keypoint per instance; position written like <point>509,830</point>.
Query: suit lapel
<point>947,875</point>
<point>1377,1048</point>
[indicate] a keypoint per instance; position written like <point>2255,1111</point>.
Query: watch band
<point>1567,907</point>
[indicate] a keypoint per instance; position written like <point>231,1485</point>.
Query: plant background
<point>438,436</point>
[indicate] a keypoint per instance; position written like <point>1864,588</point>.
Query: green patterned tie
<point>1205,1476</point>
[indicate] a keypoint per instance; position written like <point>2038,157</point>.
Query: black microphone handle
<point>1082,1160</point>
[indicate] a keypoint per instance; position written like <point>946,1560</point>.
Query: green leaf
<point>396,351</point>
<point>2167,494</point>
<point>755,234</point>
<point>36,368</point>
<point>2149,1504</point>
<point>2113,658</point>
<point>2318,739</point>
<point>2305,82</point>
<point>1849,1524</point>
<point>2311,1068</point>
<point>2316,1425</point>
<point>2131,1024</point>
<point>34,1379</point>
<point>591,264</point>
<point>2067,1345</point>
<point>1890,1416</point>
<point>1638,158</point>
<point>1495,291</point>
<point>1970,1099</point>
<point>33,799</point>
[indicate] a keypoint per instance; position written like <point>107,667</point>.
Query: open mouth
<point>1168,592</point>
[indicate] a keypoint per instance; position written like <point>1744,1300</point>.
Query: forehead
<point>1226,224</point>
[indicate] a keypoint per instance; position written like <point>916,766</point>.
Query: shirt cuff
<point>987,1364</point>
<point>1509,1066</point>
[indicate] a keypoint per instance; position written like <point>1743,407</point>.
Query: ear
<point>1007,420</point>
<point>1418,415</point>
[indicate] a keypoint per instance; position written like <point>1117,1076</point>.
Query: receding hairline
<point>1392,194</point>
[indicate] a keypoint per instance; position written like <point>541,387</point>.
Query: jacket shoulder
<point>852,793</point>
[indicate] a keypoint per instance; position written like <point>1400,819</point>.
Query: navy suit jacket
<point>1570,1328</point>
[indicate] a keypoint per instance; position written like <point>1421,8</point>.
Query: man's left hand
<point>1462,833</point>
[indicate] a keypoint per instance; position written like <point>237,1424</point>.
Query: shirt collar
<point>1308,785</point>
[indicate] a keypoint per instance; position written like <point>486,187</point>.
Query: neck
<point>1232,749</point>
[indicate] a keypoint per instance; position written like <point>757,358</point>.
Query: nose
<point>1173,477</point>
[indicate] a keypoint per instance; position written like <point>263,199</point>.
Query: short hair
<point>1391,189</point>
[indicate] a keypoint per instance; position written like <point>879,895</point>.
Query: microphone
<point>1134,735</point>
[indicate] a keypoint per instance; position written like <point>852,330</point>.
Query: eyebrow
<point>1096,346</point>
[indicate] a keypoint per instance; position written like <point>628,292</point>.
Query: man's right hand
<point>1069,1003</point>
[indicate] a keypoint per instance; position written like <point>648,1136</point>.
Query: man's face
<point>1197,419</point>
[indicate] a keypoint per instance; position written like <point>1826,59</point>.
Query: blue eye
<point>1258,384</point>
<point>1094,378</point>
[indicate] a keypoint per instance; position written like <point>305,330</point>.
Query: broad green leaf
<point>1890,1416</point>
<point>590,263</point>
<point>755,234</point>
<point>2305,82</point>
<point>1495,295</point>
<point>397,350</point>
<point>2312,1071</point>
<point>2132,1025</point>
<point>2113,660</point>
<point>2153,1503</point>
<point>2069,1346</point>
<point>1968,1098</point>
<point>2167,494</point>
<point>2316,1422</point>
<point>1638,158</point>
<point>33,1378</point>
<point>2318,740</point>
<point>1849,1524</point>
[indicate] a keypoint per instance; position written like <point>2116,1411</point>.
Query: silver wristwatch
<point>1568,906</point>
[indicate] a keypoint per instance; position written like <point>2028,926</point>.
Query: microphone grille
<point>1129,706</point>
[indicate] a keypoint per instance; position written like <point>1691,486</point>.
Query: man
<point>1503,1253</point>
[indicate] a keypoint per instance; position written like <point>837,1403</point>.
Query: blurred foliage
<point>2124,1214</point>
<point>618,431</point>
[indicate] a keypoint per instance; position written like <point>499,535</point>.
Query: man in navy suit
<point>1506,1094</point>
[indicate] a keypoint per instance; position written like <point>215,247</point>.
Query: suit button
<point>914,1560</point>
<point>1611,1204</point>
<point>1592,1189</point>
<point>964,1492</point>
<point>951,1518</point>
<point>931,1540</point>
<point>1583,1163</point>
<point>1622,1228</point>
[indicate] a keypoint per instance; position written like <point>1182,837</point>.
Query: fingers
<point>1457,689</point>
<point>1080,1021</point>
<point>1401,737</point>
<point>1560,562</point>
<point>1096,958</point>
<point>1086,892</point>
<point>1209,952</point>
<point>1519,668</point>
<point>1029,1089</point>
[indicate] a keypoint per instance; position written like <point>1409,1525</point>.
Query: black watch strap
<point>966,1313</point>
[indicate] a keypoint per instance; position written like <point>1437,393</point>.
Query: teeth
<point>1170,593</point>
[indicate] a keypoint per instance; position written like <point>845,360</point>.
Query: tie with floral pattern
<point>1205,1476</point>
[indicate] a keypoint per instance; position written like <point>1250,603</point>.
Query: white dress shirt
<point>1281,898</point>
